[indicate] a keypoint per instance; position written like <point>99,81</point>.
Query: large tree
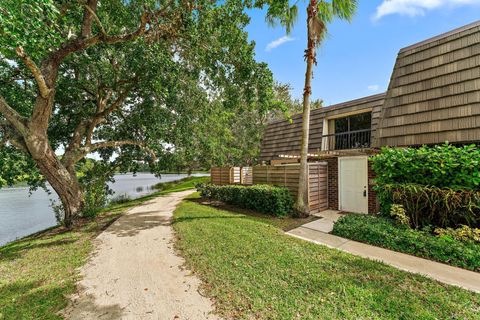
<point>319,14</point>
<point>131,80</point>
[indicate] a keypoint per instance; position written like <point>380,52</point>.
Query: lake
<point>22,215</point>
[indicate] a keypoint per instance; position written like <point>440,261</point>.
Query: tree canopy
<point>173,83</point>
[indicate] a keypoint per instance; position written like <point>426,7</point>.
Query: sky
<point>357,58</point>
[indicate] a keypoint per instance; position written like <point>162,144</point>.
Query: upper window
<point>362,121</point>
<point>352,132</point>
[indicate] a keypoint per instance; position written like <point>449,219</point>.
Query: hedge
<point>442,166</point>
<point>384,232</point>
<point>267,199</point>
<point>437,185</point>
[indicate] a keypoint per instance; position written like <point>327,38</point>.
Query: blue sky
<point>357,58</point>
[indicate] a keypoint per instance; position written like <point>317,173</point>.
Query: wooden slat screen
<point>220,175</point>
<point>284,176</point>
<point>318,186</point>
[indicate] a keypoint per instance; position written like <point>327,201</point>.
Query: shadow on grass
<point>284,223</point>
<point>15,250</point>
<point>20,300</point>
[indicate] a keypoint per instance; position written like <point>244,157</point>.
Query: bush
<point>384,232</point>
<point>426,206</point>
<point>436,185</point>
<point>262,198</point>
<point>397,212</point>
<point>442,166</point>
<point>464,233</point>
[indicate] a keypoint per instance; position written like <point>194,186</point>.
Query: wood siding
<point>283,137</point>
<point>434,92</point>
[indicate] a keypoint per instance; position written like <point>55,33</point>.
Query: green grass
<point>384,232</point>
<point>181,185</point>
<point>253,270</point>
<point>38,273</point>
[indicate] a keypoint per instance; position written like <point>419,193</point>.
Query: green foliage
<point>398,213</point>
<point>16,167</point>
<point>436,185</point>
<point>434,206</point>
<point>262,198</point>
<point>442,166</point>
<point>384,232</point>
<point>195,96</point>
<point>464,233</point>
<point>93,177</point>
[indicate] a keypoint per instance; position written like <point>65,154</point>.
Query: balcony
<point>359,139</point>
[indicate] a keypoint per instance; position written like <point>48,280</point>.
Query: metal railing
<point>359,139</point>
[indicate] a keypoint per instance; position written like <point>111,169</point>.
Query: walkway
<point>135,272</point>
<point>316,232</point>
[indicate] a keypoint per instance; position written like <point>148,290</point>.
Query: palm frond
<point>280,12</point>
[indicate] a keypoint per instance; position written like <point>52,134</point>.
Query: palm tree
<point>319,15</point>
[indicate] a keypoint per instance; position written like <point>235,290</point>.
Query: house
<point>433,97</point>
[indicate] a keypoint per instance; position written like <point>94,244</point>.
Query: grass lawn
<point>39,272</point>
<point>253,271</point>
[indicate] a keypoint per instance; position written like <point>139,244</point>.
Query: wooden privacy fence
<point>285,176</point>
<point>281,175</point>
<point>231,175</point>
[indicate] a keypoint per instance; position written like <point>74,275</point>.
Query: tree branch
<point>42,85</point>
<point>90,7</point>
<point>112,144</point>
<point>13,117</point>
<point>95,17</point>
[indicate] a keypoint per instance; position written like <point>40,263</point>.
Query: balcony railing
<point>359,139</point>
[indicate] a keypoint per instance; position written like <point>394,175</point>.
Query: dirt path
<point>135,273</point>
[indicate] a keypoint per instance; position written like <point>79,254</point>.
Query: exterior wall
<point>373,206</point>
<point>434,92</point>
<point>332,183</point>
<point>283,137</point>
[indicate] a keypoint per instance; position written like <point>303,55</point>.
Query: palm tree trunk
<point>302,205</point>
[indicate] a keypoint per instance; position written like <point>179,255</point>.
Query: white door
<point>353,184</point>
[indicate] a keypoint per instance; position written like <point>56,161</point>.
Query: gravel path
<point>135,273</point>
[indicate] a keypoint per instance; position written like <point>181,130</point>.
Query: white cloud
<point>373,87</point>
<point>276,43</point>
<point>413,8</point>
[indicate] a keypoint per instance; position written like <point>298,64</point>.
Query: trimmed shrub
<point>267,199</point>
<point>442,166</point>
<point>384,232</point>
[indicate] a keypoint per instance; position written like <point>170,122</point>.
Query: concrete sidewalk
<point>313,232</point>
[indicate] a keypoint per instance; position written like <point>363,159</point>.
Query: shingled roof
<point>434,91</point>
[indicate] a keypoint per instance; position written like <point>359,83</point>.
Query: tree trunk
<point>302,205</point>
<point>64,183</point>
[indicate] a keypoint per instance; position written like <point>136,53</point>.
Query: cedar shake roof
<point>434,92</point>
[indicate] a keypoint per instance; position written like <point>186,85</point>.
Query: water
<point>22,215</point>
